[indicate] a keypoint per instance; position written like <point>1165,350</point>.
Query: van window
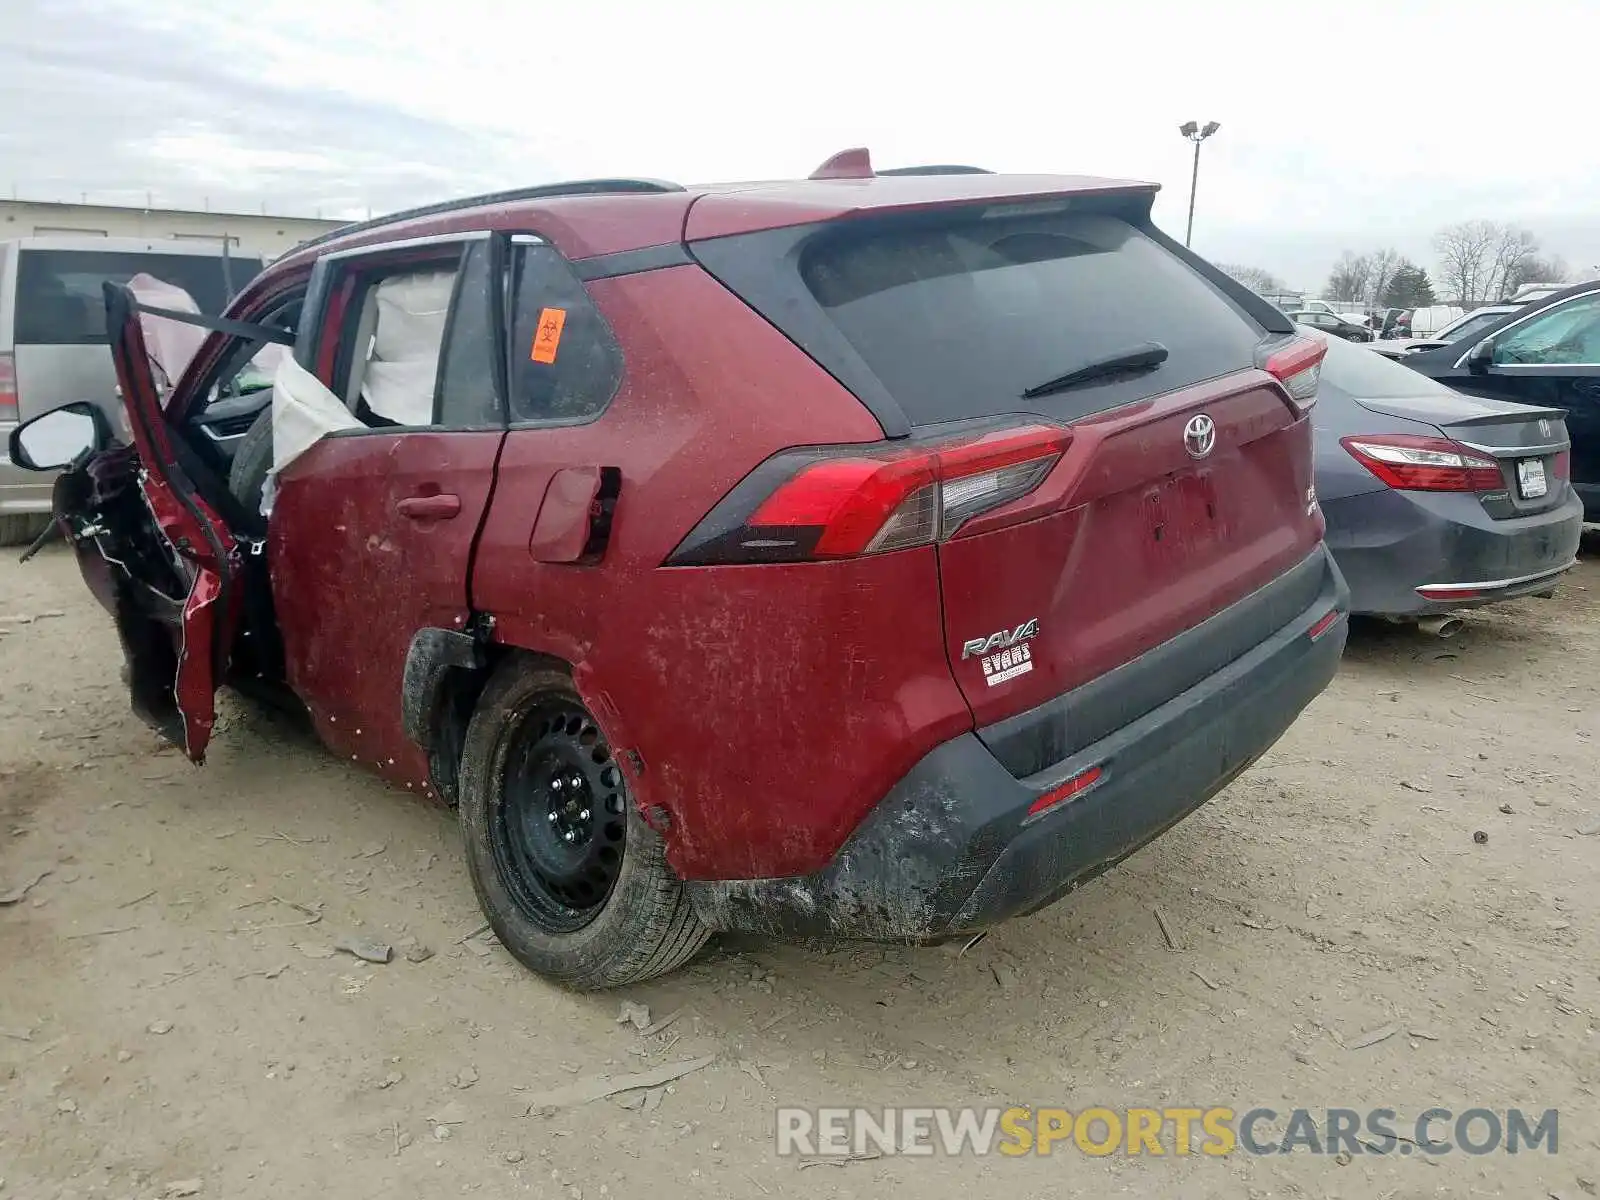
<point>59,300</point>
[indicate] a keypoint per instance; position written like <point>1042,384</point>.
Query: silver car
<point>53,336</point>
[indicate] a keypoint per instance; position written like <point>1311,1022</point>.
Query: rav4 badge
<point>1005,653</point>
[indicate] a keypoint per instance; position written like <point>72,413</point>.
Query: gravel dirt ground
<point>174,1020</point>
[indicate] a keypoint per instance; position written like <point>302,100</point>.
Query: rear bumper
<point>1389,544</point>
<point>953,848</point>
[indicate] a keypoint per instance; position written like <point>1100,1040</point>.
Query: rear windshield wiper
<point>1146,356</point>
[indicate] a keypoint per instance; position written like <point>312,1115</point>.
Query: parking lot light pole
<point>1196,133</point>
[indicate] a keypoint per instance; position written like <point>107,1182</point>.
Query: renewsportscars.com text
<point>1178,1131</point>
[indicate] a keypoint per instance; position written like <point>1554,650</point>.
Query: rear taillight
<point>1077,785</point>
<point>8,388</point>
<point>1562,467</point>
<point>1297,364</point>
<point>1424,464</point>
<point>846,501</point>
<point>1323,624</point>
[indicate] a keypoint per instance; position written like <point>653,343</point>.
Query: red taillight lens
<point>8,388</point>
<point>1324,623</point>
<point>1425,464</point>
<point>852,500</point>
<point>1297,364</point>
<point>1562,467</point>
<point>1078,784</point>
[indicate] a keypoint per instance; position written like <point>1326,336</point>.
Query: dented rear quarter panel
<point>770,706</point>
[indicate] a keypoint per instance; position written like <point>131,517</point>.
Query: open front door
<point>177,611</point>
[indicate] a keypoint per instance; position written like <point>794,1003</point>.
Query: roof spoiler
<point>938,169</point>
<point>856,163</point>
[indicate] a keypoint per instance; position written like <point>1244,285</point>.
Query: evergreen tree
<point>1409,287</point>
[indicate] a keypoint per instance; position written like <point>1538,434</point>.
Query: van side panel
<point>50,376</point>
<point>55,323</point>
<point>8,293</point>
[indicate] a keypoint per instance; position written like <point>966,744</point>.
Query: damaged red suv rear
<point>872,555</point>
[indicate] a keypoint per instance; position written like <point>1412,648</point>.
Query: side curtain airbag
<point>403,359</point>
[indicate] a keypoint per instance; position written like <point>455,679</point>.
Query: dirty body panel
<point>956,844</point>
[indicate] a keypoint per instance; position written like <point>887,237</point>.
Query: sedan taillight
<point>8,388</point>
<point>1413,463</point>
<point>847,501</point>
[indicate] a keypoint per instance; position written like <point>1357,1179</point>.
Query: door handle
<point>429,508</point>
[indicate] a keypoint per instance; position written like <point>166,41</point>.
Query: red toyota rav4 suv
<point>874,555</point>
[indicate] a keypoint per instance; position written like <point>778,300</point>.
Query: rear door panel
<point>354,577</point>
<point>372,529</point>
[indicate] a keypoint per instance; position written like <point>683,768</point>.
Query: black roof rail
<point>938,169</point>
<point>578,187</point>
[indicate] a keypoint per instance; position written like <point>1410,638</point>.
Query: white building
<point>249,234</point>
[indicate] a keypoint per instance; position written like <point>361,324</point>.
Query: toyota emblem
<point>1199,436</point>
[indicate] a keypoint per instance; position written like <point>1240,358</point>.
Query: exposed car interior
<point>396,348</point>
<point>242,391</point>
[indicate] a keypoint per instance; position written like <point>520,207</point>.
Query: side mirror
<point>59,437</point>
<point>1482,357</point>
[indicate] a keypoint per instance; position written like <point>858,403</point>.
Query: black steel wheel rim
<point>560,827</point>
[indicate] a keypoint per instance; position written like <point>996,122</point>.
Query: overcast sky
<point>1344,123</point>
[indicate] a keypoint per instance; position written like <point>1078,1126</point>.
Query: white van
<point>1426,322</point>
<point>53,335</point>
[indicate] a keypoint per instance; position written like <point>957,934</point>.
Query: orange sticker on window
<point>547,338</point>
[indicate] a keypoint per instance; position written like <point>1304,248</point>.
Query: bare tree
<point>1381,266</point>
<point>1363,278</point>
<point>1351,277</point>
<point>1254,278</point>
<point>1514,252</point>
<point>1481,261</point>
<point>1466,258</point>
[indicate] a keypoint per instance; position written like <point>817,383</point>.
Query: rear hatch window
<point>958,316</point>
<point>59,299</point>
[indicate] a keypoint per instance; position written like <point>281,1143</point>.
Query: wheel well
<point>456,699</point>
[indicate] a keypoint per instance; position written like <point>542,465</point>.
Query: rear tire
<point>251,462</point>
<point>572,879</point>
<point>18,529</point>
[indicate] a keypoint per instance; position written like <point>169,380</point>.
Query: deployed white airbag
<point>403,357</point>
<point>303,411</point>
<point>173,344</point>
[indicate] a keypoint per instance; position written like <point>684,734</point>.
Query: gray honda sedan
<point>1437,501</point>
